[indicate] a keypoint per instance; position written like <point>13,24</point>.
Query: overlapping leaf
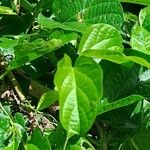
<point>140,39</point>
<point>70,26</point>
<point>144,18</point>
<point>102,37</point>
<point>119,103</point>
<point>25,53</point>
<point>95,11</point>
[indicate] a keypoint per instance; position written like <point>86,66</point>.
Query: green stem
<point>65,145</point>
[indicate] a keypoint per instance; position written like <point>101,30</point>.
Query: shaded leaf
<point>25,53</point>
<point>70,26</point>
<point>119,103</point>
<point>142,2</point>
<point>37,136</point>
<point>139,141</point>
<point>47,99</point>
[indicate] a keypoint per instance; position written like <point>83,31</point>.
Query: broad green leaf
<point>119,103</point>
<point>142,2</point>
<point>47,99</point>
<point>6,11</point>
<point>140,39</point>
<point>102,37</point>
<point>25,53</point>
<point>144,18</point>
<point>140,141</point>
<point>38,140</point>
<point>70,26</point>
<point>80,89</point>
<point>95,11</point>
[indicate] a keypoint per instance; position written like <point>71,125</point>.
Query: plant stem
<point>102,135</point>
<point>16,85</point>
<point>65,145</point>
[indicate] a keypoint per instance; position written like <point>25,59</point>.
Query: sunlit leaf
<point>80,89</point>
<point>102,37</point>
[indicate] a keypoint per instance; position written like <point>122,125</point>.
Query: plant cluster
<point>74,75</point>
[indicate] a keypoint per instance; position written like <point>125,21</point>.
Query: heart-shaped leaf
<point>80,89</point>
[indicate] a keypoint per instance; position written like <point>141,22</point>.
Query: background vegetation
<point>74,74</point>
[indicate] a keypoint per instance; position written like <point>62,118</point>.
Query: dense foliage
<point>74,74</point>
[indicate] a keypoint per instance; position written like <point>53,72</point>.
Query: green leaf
<point>31,147</point>
<point>57,137</point>
<point>140,141</point>
<point>120,58</point>
<point>142,58</point>
<point>25,53</point>
<point>47,99</point>
<point>19,118</point>
<point>64,36</point>
<point>39,140</point>
<point>83,144</point>
<point>142,2</point>
<point>140,39</point>
<point>70,26</point>
<point>104,11</point>
<point>4,129</point>
<point>113,56</point>
<point>12,145</point>
<point>102,37</point>
<point>6,11</point>
<point>80,89</point>
<point>119,103</point>
<point>144,18</point>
